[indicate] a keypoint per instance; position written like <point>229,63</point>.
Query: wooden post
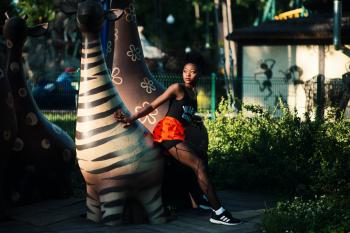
<point>227,50</point>
<point>320,83</point>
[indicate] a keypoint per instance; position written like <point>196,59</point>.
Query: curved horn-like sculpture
<point>130,75</point>
<point>134,82</point>
<point>43,154</point>
<point>116,162</point>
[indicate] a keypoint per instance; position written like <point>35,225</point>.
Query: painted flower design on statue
<point>116,34</point>
<point>150,118</point>
<point>115,76</point>
<point>130,15</point>
<point>109,46</point>
<point>134,53</point>
<point>148,85</point>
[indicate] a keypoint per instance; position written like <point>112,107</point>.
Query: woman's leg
<point>186,156</point>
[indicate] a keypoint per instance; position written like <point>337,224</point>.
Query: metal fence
<point>268,93</point>
<point>64,97</point>
<point>60,107</point>
<point>58,102</point>
<point>294,94</point>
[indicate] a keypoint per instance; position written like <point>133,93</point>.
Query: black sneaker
<point>225,218</point>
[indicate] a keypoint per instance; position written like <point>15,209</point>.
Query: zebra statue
<point>117,163</point>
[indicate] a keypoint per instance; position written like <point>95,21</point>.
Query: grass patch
<point>66,120</point>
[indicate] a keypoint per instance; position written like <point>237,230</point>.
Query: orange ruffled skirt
<point>168,129</point>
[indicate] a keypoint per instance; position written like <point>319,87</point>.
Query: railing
<point>268,92</point>
<point>63,97</point>
<point>296,94</point>
<point>60,108</point>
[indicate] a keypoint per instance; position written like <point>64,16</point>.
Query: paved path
<point>64,216</point>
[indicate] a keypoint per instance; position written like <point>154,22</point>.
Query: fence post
<point>320,97</point>
<point>213,94</point>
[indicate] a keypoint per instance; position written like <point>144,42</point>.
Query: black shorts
<point>167,144</point>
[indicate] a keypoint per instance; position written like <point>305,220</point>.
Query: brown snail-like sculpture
<point>137,87</point>
<point>116,162</point>
<point>42,154</point>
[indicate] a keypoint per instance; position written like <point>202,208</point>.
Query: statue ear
<point>7,15</point>
<point>37,30</point>
<point>69,8</point>
<point>114,14</point>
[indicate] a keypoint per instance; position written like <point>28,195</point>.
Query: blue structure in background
<point>57,95</point>
<point>104,33</point>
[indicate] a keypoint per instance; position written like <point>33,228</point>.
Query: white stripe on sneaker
<point>223,223</point>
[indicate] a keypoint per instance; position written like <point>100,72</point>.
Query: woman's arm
<point>173,90</point>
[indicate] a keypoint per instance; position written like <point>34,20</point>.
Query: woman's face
<point>190,73</point>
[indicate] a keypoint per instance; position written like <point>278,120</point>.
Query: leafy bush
<point>282,154</point>
<point>322,214</point>
<point>38,11</point>
<point>287,155</point>
<point>258,152</point>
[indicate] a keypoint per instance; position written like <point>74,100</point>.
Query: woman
<point>169,134</point>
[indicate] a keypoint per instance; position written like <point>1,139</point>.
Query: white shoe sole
<point>223,223</point>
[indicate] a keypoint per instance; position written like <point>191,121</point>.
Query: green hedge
<point>289,156</point>
<point>285,154</point>
<point>322,214</point>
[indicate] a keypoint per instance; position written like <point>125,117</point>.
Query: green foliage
<point>38,11</point>
<point>289,156</point>
<point>322,214</point>
<point>66,121</point>
<point>282,153</point>
<point>187,30</point>
<point>258,152</point>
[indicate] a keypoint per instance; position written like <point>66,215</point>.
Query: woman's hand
<point>121,117</point>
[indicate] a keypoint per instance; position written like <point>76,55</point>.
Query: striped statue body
<point>117,163</point>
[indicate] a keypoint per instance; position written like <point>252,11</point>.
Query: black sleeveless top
<point>183,110</point>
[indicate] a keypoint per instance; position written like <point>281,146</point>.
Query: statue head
<point>16,30</point>
<point>90,14</point>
